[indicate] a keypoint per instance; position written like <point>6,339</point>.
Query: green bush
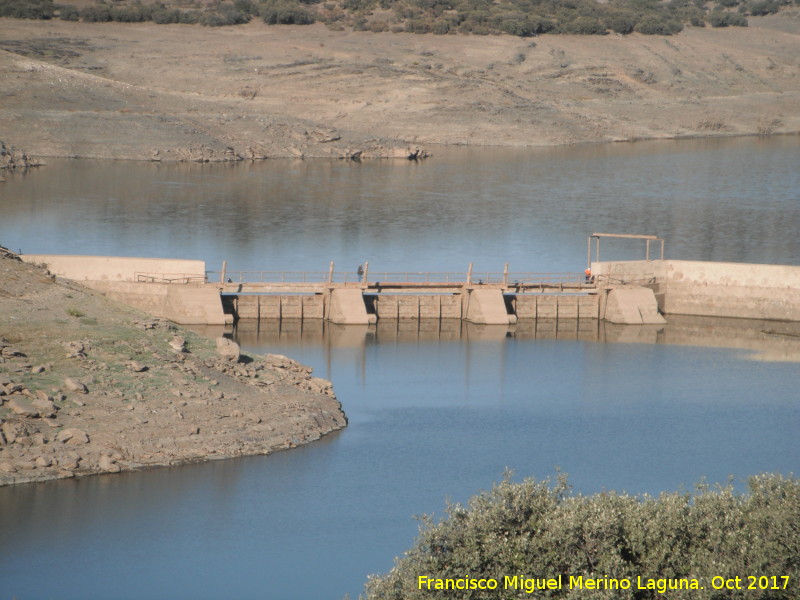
<point>539,529</point>
<point>68,12</point>
<point>658,25</point>
<point>96,14</point>
<point>285,12</point>
<point>620,21</point>
<point>130,14</point>
<point>165,16</point>
<point>27,9</point>
<point>763,7</point>
<point>720,18</point>
<point>583,26</point>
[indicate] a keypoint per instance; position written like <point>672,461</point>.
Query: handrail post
<point>469,274</point>
<point>364,278</point>
<point>505,275</point>
<point>222,273</point>
<point>330,273</point>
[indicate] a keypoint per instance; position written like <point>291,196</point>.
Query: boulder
<point>75,385</point>
<point>23,407</point>
<point>43,461</point>
<point>108,464</point>
<point>228,349</point>
<point>10,432</point>
<point>178,343</point>
<point>72,436</point>
<point>46,408</point>
<point>69,462</point>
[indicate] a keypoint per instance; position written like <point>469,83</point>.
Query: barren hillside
<point>187,92</point>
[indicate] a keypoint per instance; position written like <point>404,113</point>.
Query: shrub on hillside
<point>763,7</point>
<point>620,21</point>
<point>719,18</point>
<point>96,14</point>
<point>658,25</point>
<point>285,12</point>
<point>536,529</point>
<point>27,9</point>
<point>582,25</point>
<point>68,12</point>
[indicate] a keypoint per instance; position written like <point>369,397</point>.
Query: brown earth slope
<point>190,92</point>
<point>90,386</point>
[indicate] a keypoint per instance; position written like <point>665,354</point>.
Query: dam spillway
<point>627,292</point>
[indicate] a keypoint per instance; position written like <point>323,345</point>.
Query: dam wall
<point>188,304</point>
<point>712,289</point>
<point>170,288</point>
<point>119,268</point>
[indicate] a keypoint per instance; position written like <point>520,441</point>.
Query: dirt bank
<point>165,92</point>
<point>89,386</point>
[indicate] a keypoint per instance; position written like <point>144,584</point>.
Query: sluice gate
<point>476,308</point>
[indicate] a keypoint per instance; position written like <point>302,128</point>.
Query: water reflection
<point>766,340</point>
<point>730,200</point>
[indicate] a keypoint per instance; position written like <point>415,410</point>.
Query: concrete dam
<point>626,292</point>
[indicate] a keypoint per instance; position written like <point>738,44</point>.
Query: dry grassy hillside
<point>189,92</point>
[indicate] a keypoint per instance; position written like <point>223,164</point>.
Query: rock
<point>7,467</point>
<point>43,461</point>
<point>10,432</point>
<point>136,366</point>
<point>42,395</point>
<point>228,349</point>
<point>178,343</point>
<point>75,385</point>
<point>319,385</point>
<point>46,408</point>
<point>75,349</point>
<point>51,423</point>
<point>72,436</point>
<point>38,369</point>
<point>23,407</point>
<point>69,462</point>
<point>108,464</point>
<point>66,474</point>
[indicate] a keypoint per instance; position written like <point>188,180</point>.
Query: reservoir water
<point>435,413</point>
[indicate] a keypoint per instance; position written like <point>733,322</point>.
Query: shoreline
<point>90,386</point>
<point>429,155</point>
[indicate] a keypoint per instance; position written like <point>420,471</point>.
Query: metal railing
<point>397,277</point>
<point>168,278</point>
<point>625,279</point>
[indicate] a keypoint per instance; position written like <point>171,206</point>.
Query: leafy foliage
<point>535,528</point>
<point>515,17</point>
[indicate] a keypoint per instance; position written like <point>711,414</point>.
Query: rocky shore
<point>88,386</point>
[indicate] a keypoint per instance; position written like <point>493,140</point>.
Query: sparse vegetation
<point>538,529</point>
<point>515,17</point>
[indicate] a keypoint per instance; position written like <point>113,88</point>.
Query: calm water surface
<point>433,414</point>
